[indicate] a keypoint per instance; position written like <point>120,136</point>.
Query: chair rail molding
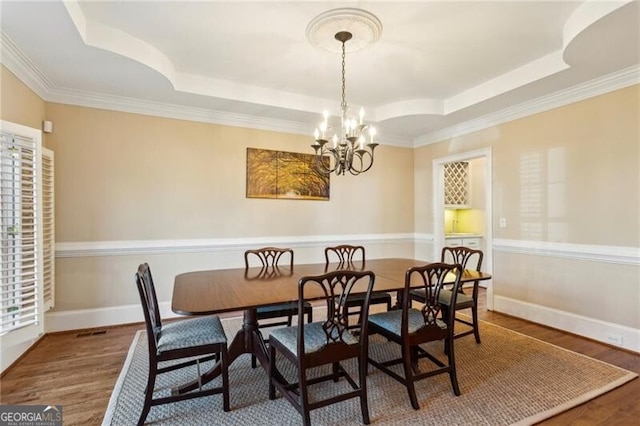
<point>129,247</point>
<point>601,253</point>
<point>624,255</point>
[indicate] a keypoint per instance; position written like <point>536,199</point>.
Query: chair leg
<point>452,366</point>
<point>272,372</point>
<point>476,328</point>
<point>310,315</point>
<point>226,406</point>
<point>364,404</point>
<point>304,397</point>
<point>254,361</point>
<point>408,377</point>
<point>151,382</point>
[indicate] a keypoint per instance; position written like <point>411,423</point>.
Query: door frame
<point>438,208</point>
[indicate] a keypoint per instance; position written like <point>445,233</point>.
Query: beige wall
<point>122,177</point>
<point>126,176</point>
<point>568,175</point>
<point>18,103</point>
<point>558,173</point>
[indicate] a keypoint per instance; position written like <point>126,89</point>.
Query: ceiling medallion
<point>364,27</point>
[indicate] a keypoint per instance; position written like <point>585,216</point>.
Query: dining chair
<point>325,342</point>
<point>269,258</point>
<point>346,256</point>
<point>410,327</point>
<point>194,341</point>
<point>465,257</point>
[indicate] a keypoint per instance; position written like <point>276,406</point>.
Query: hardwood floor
<point>78,371</point>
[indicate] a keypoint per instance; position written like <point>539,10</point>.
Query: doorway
<point>439,208</point>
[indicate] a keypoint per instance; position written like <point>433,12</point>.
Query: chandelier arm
<point>361,154</point>
<point>332,153</point>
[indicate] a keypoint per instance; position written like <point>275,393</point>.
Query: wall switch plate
<point>503,222</point>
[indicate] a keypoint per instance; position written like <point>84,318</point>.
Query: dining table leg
<point>248,340</point>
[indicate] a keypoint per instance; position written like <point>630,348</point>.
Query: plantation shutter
<point>48,235</point>
<point>18,235</point>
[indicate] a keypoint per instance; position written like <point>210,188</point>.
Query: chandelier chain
<point>344,101</point>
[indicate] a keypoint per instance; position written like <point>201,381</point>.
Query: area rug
<point>508,379</point>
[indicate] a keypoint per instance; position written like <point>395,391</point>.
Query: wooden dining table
<point>245,289</point>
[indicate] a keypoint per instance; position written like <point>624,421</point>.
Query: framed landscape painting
<point>286,175</point>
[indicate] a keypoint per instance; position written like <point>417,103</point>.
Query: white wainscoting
<point>378,246</point>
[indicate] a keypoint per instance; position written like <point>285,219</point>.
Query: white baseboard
<point>100,317</point>
<point>602,331</point>
<point>105,317</point>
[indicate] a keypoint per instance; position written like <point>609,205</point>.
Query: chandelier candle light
<point>351,147</point>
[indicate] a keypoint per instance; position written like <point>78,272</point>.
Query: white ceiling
<point>436,66</point>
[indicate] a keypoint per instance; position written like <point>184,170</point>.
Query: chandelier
<point>350,147</point>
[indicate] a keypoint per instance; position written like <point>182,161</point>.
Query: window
<point>21,240</point>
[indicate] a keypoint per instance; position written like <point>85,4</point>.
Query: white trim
<point>81,319</point>
<point>583,326</point>
<point>26,71</point>
<point>439,207</point>
<point>424,239</point>
<point>599,253</point>
<point>608,83</point>
<point>100,317</point>
<point>17,62</point>
<point>122,248</point>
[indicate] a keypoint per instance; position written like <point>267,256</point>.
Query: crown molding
<point>608,83</point>
<point>12,57</point>
<point>179,112</point>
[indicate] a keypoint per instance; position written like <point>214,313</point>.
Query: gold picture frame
<point>285,175</point>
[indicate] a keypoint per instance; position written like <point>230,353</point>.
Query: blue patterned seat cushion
<point>392,321</point>
<point>445,298</point>
<point>189,333</point>
<point>462,301</point>
<point>314,337</point>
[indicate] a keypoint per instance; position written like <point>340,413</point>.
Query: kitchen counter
<point>466,239</point>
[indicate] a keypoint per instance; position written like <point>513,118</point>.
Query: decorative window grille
<point>456,183</point>
<point>19,256</point>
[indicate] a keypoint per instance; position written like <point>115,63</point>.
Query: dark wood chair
<point>325,342</point>
<point>465,257</point>
<point>269,259</point>
<point>196,340</point>
<point>410,327</point>
<point>346,256</point>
